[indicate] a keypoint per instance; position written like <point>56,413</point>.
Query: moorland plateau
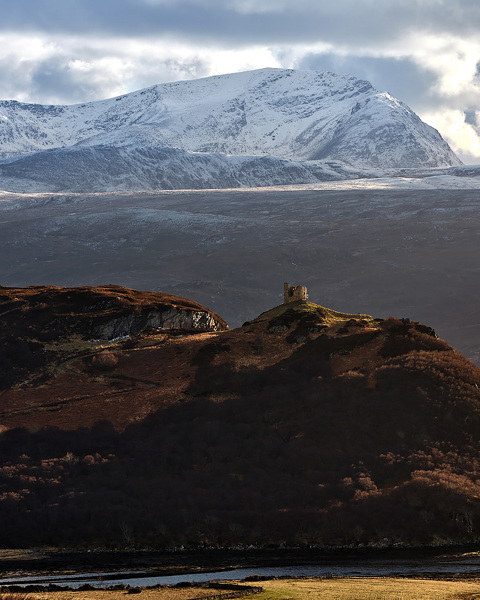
<point>405,252</point>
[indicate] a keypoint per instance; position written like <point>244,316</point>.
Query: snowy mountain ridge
<point>295,116</point>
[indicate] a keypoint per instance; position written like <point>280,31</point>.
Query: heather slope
<point>44,324</point>
<point>304,426</point>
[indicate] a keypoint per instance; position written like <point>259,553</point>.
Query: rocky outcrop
<point>170,318</point>
<point>104,312</point>
<point>42,326</point>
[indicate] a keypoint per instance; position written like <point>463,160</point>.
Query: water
<point>335,569</point>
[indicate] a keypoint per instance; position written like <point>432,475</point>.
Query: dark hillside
<point>303,427</point>
<point>42,325</point>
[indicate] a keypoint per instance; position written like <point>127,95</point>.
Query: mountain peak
<point>269,113</point>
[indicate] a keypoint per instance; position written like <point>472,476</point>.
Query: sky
<point>424,52</point>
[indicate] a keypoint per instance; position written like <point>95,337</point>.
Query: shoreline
<point>37,563</point>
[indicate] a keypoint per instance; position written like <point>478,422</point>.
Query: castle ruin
<point>292,293</point>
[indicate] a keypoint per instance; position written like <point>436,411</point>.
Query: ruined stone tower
<point>291,293</point>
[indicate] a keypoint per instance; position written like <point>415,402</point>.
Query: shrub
<point>105,361</point>
<point>392,323</point>
<point>397,344</point>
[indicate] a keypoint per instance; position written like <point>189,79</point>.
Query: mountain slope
<point>292,115</point>
<point>104,168</point>
<point>304,426</point>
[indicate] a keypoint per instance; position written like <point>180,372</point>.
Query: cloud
<point>66,70</point>
<point>463,136</point>
<point>247,21</point>
<point>401,77</point>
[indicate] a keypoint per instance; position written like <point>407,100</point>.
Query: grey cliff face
<point>170,318</point>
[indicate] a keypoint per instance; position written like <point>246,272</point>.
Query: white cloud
<point>64,69</point>
<point>463,137</point>
<point>453,59</point>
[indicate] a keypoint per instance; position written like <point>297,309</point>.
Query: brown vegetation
<point>104,360</point>
<point>39,323</point>
<point>303,427</point>
<point>183,591</point>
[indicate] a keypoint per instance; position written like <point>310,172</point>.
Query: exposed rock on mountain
<point>103,312</point>
<point>305,426</point>
<point>39,320</point>
<point>211,133</point>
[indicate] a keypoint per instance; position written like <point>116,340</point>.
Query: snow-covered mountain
<point>263,127</point>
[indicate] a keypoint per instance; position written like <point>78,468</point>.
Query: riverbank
<point>149,568</point>
<point>279,589</point>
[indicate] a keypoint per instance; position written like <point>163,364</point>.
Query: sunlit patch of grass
<point>16,596</point>
<point>161,593</point>
<point>361,588</point>
<point>326,316</point>
<point>365,588</point>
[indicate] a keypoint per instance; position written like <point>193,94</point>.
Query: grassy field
<point>364,588</point>
<point>165,593</point>
<point>376,588</point>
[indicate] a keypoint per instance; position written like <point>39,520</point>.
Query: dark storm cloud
<point>60,78</point>
<point>400,77</point>
<point>234,22</point>
<point>49,81</point>
<point>55,74</point>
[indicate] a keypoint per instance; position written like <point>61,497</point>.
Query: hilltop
<point>42,325</point>
<point>305,426</point>
<point>255,128</point>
